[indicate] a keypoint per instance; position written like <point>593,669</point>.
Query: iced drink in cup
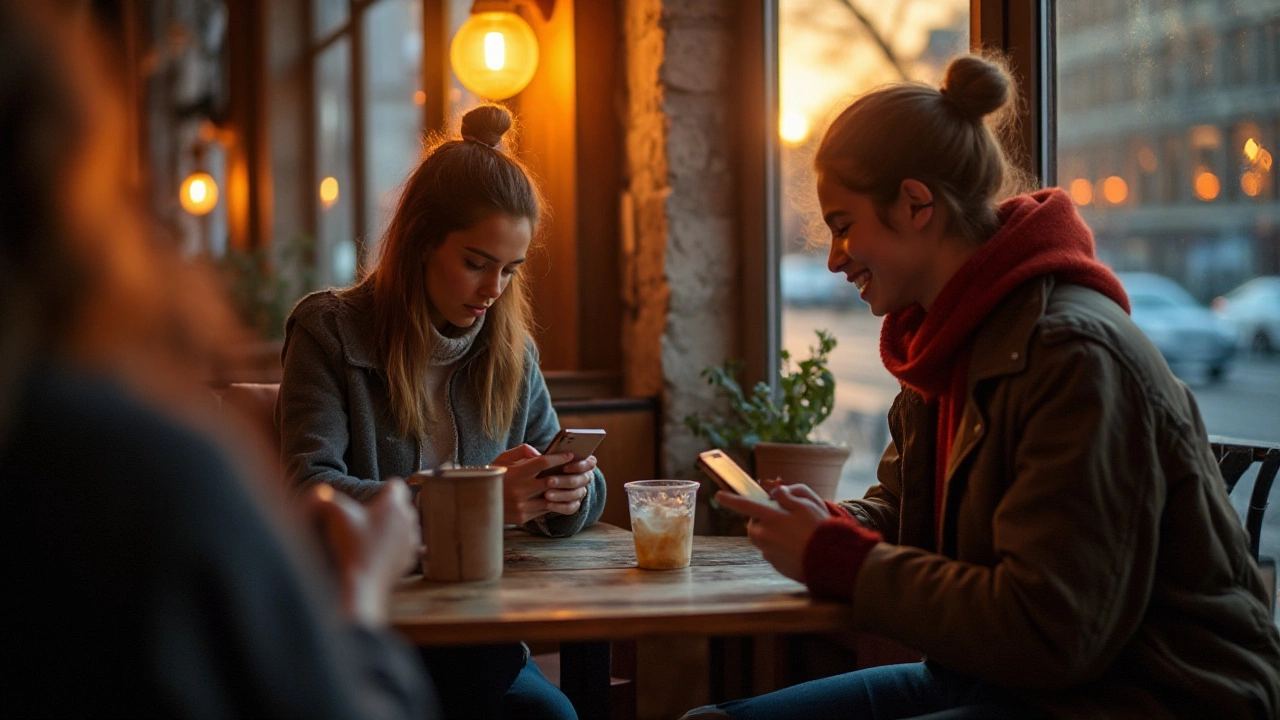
<point>662,522</point>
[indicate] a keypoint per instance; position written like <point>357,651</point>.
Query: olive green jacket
<point>1088,558</point>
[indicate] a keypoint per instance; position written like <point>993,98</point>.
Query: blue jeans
<point>490,682</point>
<point>889,692</point>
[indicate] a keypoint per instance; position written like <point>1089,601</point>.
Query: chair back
<point>255,403</point>
<point>1234,458</point>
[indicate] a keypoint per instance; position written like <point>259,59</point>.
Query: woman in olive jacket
<point>1050,528</point>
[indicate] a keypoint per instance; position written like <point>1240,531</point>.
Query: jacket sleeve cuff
<point>839,511</point>
<point>833,557</point>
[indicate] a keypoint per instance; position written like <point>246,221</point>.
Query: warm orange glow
<point>793,128</point>
<point>329,191</point>
<point>1264,160</point>
<point>1251,149</point>
<point>419,98</point>
<point>1115,189</point>
<point>1147,160</point>
<point>1206,184</point>
<point>494,54</point>
<point>1251,183</point>
<point>198,194</point>
<point>1081,191</point>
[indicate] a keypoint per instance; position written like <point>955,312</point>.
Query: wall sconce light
<point>198,193</point>
<point>329,192</point>
<point>495,52</point>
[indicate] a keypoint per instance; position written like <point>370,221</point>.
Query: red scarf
<point>1040,234</point>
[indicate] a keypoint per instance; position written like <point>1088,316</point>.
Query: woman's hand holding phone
<point>781,533</point>
<point>526,495</point>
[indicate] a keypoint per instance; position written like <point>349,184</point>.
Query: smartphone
<point>580,442</point>
<point>732,478</point>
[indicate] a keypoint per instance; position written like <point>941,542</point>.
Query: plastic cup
<point>662,522</point>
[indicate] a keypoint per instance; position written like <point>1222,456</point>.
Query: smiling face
<point>471,268</point>
<point>892,269</point>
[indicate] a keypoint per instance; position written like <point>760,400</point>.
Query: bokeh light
<point>1081,191</point>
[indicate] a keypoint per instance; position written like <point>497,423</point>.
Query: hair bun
<point>486,124</point>
<point>976,86</point>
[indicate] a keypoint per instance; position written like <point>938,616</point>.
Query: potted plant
<point>777,429</point>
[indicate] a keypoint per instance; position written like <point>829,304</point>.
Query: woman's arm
<point>540,427</point>
<point>311,413</point>
<point>240,629</point>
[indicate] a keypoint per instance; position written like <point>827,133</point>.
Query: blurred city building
<point>1167,117</point>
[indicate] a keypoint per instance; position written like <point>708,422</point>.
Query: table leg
<point>584,677</point>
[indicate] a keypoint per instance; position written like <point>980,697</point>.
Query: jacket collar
<point>355,328</point>
<point>1000,345</point>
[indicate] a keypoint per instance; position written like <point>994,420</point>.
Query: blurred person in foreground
<point>146,572</point>
<point>1050,529</point>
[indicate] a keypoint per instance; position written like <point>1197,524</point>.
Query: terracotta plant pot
<point>817,466</point>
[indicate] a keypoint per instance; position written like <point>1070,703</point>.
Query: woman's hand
<point>781,533</point>
<point>370,546</point>
<point>527,496</point>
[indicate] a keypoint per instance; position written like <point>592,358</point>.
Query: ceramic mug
<point>461,510</point>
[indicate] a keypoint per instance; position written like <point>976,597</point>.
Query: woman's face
<point>471,268</point>
<point>892,269</point>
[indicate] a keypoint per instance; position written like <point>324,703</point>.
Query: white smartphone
<point>731,477</point>
<point>580,442</point>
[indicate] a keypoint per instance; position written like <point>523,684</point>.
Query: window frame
<point>433,83</point>
<point>1020,30</point>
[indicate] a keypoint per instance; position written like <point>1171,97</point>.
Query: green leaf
<point>805,398</point>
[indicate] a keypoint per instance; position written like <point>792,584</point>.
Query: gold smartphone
<point>732,478</point>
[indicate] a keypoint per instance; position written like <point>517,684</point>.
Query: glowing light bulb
<point>198,193</point>
<point>494,54</point>
<point>495,51</point>
<point>329,191</point>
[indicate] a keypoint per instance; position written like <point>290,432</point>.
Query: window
<point>830,51</point>
<point>367,119</point>
<point>1171,102</point>
<point>1209,229</point>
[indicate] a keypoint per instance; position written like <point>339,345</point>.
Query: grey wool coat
<point>335,420</point>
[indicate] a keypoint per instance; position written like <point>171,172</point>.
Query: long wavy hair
<point>85,278</point>
<point>459,182</point>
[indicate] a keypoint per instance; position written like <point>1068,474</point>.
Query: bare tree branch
<point>878,38</point>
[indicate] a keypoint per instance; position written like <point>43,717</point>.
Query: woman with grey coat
<point>429,360</point>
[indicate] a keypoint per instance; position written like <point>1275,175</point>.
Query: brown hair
<point>458,183</point>
<point>83,276</point>
<point>947,138</point>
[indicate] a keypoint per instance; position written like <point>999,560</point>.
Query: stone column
<point>681,255</point>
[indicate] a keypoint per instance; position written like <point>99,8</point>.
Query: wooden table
<point>587,588</point>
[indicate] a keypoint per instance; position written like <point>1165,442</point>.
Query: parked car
<point>1253,309</point>
<point>1188,334</point>
<point>806,282</point>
